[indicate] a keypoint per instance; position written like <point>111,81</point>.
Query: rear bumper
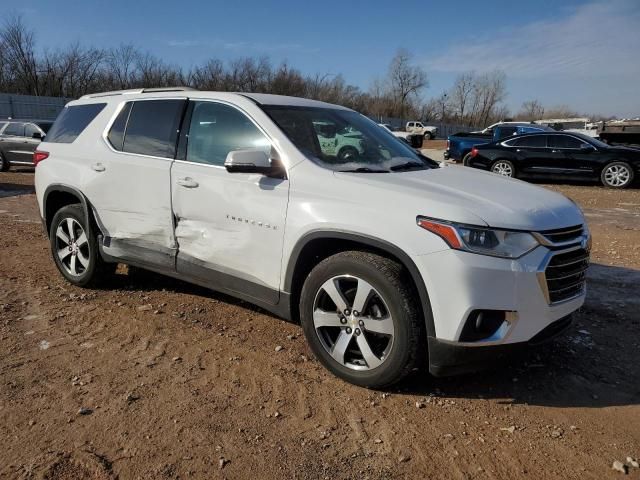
<point>446,155</point>
<point>451,358</point>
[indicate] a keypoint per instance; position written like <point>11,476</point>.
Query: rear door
<point>128,181</point>
<point>229,226</point>
<point>531,153</point>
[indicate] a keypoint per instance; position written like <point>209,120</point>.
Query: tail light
<point>474,151</point>
<point>39,156</point>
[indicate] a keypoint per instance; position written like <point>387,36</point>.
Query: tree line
<point>475,99</point>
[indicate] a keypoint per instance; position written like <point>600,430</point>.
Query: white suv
<point>385,258</point>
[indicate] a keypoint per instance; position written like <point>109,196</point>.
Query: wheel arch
<point>317,245</point>
<point>57,196</point>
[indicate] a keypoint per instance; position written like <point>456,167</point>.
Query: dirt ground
<point>152,378</point>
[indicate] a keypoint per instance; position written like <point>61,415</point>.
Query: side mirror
<point>251,161</point>
<point>37,136</point>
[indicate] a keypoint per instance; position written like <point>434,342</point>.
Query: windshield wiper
<point>407,166</point>
<point>364,170</point>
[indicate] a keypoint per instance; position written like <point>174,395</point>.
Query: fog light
<point>482,324</point>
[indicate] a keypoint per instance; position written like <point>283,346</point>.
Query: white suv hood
<point>466,195</point>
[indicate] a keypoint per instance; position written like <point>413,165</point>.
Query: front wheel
<point>347,154</point>
<point>467,160</point>
<point>428,136</point>
<point>504,168</point>
<point>359,316</point>
<point>617,175</point>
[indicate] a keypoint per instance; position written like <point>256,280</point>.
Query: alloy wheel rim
<point>504,169</point>
<point>72,247</point>
<point>617,175</point>
<point>353,322</point>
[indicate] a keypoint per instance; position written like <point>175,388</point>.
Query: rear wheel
<point>75,249</point>
<point>359,316</point>
<point>617,175</point>
<point>504,168</point>
<point>4,164</point>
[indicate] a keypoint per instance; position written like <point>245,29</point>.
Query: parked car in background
<point>559,155</point>
<point>429,133</point>
<point>386,259</point>
<point>341,142</point>
<point>413,139</point>
<point>459,145</point>
<point>18,140</point>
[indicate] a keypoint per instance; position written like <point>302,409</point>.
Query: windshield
<point>345,141</point>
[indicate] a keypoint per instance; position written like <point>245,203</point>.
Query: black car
<point>18,140</point>
<point>559,155</point>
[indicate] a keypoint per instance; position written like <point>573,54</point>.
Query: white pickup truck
<point>429,133</point>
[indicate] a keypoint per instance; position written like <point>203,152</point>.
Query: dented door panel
<point>231,223</point>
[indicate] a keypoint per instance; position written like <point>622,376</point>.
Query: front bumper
<point>461,283</point>
<point>450,358</point>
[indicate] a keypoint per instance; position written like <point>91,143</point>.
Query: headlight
<point>485,241</point>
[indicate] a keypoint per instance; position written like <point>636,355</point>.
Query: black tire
<point>507,165</point>
<point>428,136</point>
<point>4,164</point>
<point>96,268</point>
<point>466,160</point>
<point>609,178</point>
<point>348,153</point>
<point>406,348</point>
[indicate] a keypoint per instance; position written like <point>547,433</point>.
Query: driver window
<point>217,129</point>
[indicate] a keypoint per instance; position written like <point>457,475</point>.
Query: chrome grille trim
<point>561,237</point>
<point>558,281</point>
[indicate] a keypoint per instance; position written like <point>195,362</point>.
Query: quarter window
<point>72,121</point>
<point>15,129</point>
<point>30,129</point>
<point>152,128</point>
<point>217,129</point>
<point>116,133</point>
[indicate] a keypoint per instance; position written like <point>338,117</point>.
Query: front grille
<point>566,274</point>
<point>564,235</point>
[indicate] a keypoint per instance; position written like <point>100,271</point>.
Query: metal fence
<point>30,107</point>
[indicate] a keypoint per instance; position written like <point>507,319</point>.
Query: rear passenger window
<point>217,129</point>
<point>72,121</point>
<point>116,133</point>
<point>564,141</point>
<point>152,128</point>
<point>15,129</point>
<point>532,142</point>
<point>507,131</point>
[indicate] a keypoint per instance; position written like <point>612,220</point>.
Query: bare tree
<point>461,94</point>
<point>531,110</point>
<point>18,45</point>
<point>121,64</point>
<point>405,80</point>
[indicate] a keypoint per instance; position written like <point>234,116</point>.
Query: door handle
<point>187,182</point>
<point>98,167</point>
<point>554,151</point>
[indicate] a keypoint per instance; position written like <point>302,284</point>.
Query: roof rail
<point>139,90</point>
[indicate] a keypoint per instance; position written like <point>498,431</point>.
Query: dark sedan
<point>559,155</point>
<point>18,140</point>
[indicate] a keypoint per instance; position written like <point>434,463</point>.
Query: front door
<point>229,226</point>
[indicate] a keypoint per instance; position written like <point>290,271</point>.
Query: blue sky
<point>584,54</point>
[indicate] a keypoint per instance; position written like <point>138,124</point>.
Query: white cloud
<point>597,39</point>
